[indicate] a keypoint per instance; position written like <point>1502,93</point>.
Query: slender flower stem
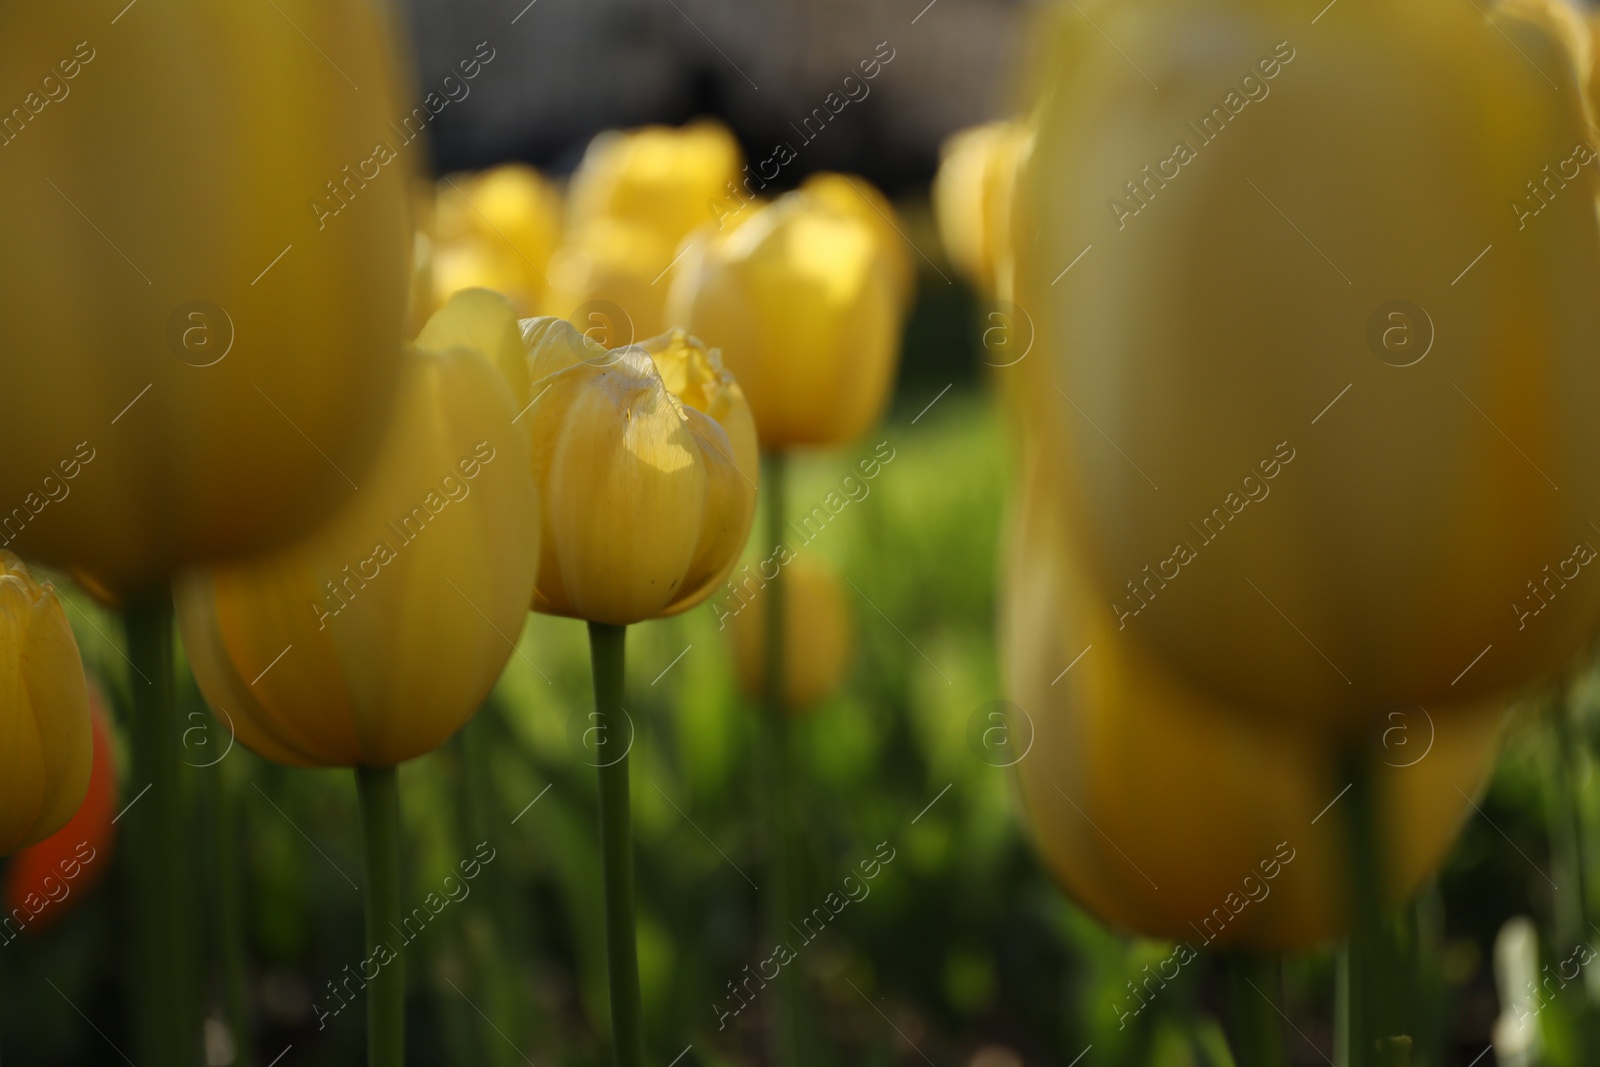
<point>1375,1002</point>
<point>1257,1027</point>
<point>785,1044</point>
<point>614,737</point>
<point>221,818</point>
<point>380,834</point>
<point>166,994</point>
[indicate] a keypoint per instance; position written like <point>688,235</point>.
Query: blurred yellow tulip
<point>207,247</point>
<point>646,462</point>
<point>497,229</point>
<point>852,196</point>
<point>667,178</point>
<point>611,265</point>
<point>972,198</point>
<point>374,639</point>
<point>819,636</point>
<point>1323,388</point>
<point>805,300</point>
<point>46,744</point>
<point>1163,811</point>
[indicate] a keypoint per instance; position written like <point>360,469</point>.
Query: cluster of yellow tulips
<point>353,527</point>
<point>1213,645</point>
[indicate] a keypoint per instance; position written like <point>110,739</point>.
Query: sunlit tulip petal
<point>646,461</point>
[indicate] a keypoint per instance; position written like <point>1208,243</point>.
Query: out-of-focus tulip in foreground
<point>818,638</point>
<point>805,297</point>
<point>66,865</point>
<point>205,273</point>
<point>496,229</point>
<point>646,461</point>
<point>1324,375</point>
<point>45,744</point>
<point>1164,812</point>
<point>374,639</point>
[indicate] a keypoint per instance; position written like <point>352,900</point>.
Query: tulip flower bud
<point>1323,373</point>
<point>805,301</point>
<point>375,638</point>
<point>497,229</point>
<point>1165,812</point>
<point>42,878</point>
<point>669,179</point>
<point>209,238</point>
<point>972,196</point>
<point>45,743</point>
<point>646,462</point>
<point>853,196</point>
<point>612,262</point>
<point>818,638</point>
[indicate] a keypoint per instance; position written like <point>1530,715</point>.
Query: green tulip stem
<point>223,882</point>
<point>785,1049</point>
<point>614,737</point>
<point>164,970</point>
<point>379,788</point>
<point>1257,1027</point>
<point>1572,907</point>
<point>1375,1003</point>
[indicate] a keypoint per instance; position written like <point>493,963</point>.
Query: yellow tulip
<point>609,265</point>
<point>646,463</point>
<point>804,300</point>
<point>854,196</point>
<point>497,229</point>
<point>1164,812</point>
<point>374,639</point>
<point>1322,376</point>
<point>205,275</point>
<point>667,178</point>
<point>818,638</point>
<point>972,198</point>
<point>46,743</point>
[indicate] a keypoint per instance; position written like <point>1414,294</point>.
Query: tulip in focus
<point>46,748</point>
<point>66,865</point>
<point>375,638</point>
<point>646,462</point>
<point>205,275</point>
<point>1338,317</point>
<point>805,299</point>
<point>1215,818</point>
<point>497,229</point>
<point>972,198</point>
<point>818,635</point>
